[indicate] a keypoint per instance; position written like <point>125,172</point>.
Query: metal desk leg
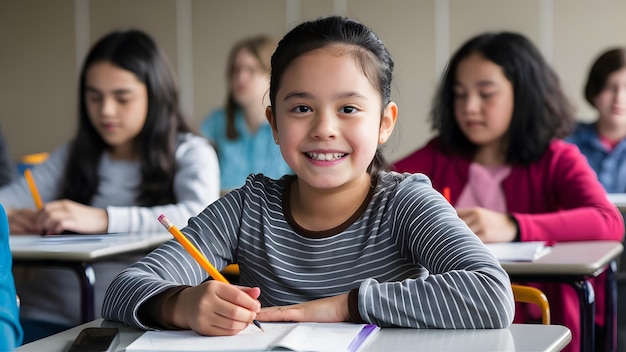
<point>87,279</point>
<point>610,314</point>
<point>586,298</point>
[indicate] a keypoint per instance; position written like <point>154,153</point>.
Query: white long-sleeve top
<point>53,294</point>
<point>413,261</point>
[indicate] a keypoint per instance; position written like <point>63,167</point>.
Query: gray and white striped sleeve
<point>466,287</point>
<point>170,265</point>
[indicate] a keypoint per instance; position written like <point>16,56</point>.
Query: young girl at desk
<point>342,240</point>
<point>133,157</point>
<point>499,114</point>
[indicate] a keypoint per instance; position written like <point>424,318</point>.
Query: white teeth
<point>325,156</point>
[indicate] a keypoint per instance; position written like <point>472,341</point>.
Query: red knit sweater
<point>557,198</point>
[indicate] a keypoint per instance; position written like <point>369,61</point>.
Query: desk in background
<point>78,252</point>
<point>518,337</point>
<point>619,199</point>
<point>574,263</point>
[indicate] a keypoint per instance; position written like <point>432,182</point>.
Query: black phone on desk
<point>96,340</point>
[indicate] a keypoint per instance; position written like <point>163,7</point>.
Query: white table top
<point>518,337</point>
<point>82,247</point>
<point>570,258</point>
<point>619,199</point>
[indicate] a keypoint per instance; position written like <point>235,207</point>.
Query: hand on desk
<point>323,310</point>
<point>22,221</point>
<point>213,308</point>
<point>488,225</point>
<point>61,215</point>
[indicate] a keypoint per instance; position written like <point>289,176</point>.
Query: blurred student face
<point>611,101</point>
<point>249,80</point>
<point>483,101</point>
<point>117,103</point>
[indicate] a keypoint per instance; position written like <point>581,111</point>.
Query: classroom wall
<point>43,42</point>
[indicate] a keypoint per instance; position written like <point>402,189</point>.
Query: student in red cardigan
<point>499,115</point>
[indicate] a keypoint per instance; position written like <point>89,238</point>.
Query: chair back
<point>529,294</point>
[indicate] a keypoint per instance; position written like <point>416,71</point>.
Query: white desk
<point>518,337</point>
<point>575,263</point>
<point>78,252</point>
<point>619,199</point>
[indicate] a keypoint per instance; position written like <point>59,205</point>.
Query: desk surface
<point>570,258</point>
<point>517,337</point>
<point>82,247</point>
<point>619,199</point>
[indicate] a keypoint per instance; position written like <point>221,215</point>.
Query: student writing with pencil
<point>342,239</point>
<point>134,157</point>
<point>499,114</point>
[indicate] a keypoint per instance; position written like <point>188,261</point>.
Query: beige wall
<point>42,43</point>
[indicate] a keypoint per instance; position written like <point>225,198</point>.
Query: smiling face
<point>117,104</point>
<point>611,100</point>
<point>483,101</point>
<point>328,118</point>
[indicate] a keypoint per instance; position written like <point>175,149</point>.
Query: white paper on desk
<point>277,336</point>
<point>518,251</point>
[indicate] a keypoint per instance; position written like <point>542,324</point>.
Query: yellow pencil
<point>195,253</point>
<point>33,189</point>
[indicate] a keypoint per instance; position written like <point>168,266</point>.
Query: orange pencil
<point>33,189</point>
<point>195,253</point>
<point>446,193</point>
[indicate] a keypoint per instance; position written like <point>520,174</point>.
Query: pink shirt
<point>484,188</point>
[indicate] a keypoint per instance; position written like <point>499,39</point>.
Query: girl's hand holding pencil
<point>22,221</point>
<point>215,307</point>
<point>60,215</point>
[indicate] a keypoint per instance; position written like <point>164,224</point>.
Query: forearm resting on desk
<point>325,310</point>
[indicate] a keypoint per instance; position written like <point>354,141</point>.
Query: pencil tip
<point>258,325</point>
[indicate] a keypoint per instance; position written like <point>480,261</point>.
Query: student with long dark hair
<point>134,157</point>
<point>499,115</point>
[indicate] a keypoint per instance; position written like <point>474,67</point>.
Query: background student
<point>10,328</point>
<point>499,113</point>
<point>603,141</point>
<point>133,157</point>
<point>8,171</point>
<point>342,240</point>
<point>239,131</point>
